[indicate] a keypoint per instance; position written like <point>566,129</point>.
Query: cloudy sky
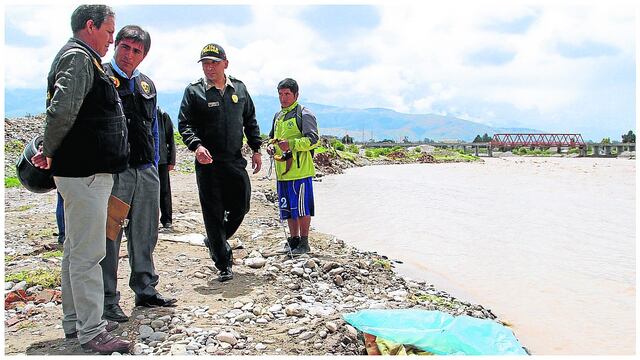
<point>561,66</point>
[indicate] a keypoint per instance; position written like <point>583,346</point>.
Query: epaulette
<point>234,79</point>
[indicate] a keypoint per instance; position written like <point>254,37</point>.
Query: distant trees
<point>630,137</point>
<point>347,139</point>
<point>406,140</point>
<point>605,141</point>
<point>483,138</point>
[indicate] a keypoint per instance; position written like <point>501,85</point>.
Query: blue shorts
<point>295,198</point>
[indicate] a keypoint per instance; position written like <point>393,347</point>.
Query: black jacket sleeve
<point>185,126</point>
<point>251,129</point>
<point>171,143</point>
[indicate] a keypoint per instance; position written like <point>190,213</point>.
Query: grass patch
<point>177,138</point>
<point>52,254</point>
<point>432,299</point>
<point>382,263</point>
<point>346,155</point>
<point>23,208</point>
<point>47,278</point>
<point>8,258</point>
<point>13,147</point>
<point>186,167</point>
<point>11,182</point>
<point>28,324</point>
<point>43,233</point>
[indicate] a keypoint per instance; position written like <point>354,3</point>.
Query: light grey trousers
<point>141,190</point>
<point>85,217</point>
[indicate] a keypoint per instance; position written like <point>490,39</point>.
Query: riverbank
<point>275,305</point>
<point>548,243</point>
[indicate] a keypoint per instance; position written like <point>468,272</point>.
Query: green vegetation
<point>382,263</point>
<point>178,139</point>
<point>43,233</point>
<point>346,155</point>
<point>28,324</point>
<point>433,299</point>
<point>630,137</point>
<point>336,144</point>
<point>187,166</point>
<point>23,208</point>
<point>11,182</point>
<point>383,151</point>
<point>47,278</point>
<point>320,150</point>
<point>13,147</point>
<point>8,258</point>
<point>353,149</point>
<point>441,155</point>
<point>483,138</point>
<point>523,151</point>
<point>52,254</point>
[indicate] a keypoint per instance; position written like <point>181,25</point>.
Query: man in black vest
<point>85,141</point>
<point>166,164</point>
<point>138,185</point>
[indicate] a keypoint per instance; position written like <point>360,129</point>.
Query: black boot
<point>292,243</point>
<point>303,246</point>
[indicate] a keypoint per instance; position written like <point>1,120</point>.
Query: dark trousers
<point>60,218</point>
<point>166,210</point>
<point>139,189</point>
<point>224,189</point>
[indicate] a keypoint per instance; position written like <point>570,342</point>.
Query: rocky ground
<point>275,304</point>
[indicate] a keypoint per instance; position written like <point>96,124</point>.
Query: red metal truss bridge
<point>537,140</point>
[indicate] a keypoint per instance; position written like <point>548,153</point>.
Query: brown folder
<point>117,212</point>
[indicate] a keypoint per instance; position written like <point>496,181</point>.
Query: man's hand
<point>203,156</point>
<point>271,150</point>
<point>284,145</point>
<point>40,161</point>
<point>170,167</point>
<point>256,162</point>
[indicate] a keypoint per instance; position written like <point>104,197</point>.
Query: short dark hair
<point>290,84</point>
<point>84,13</point>
<point>135,33</point>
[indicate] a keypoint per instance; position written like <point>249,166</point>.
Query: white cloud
<point>418,54</point>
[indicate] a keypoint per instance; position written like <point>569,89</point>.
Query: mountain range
<point>361,124</point>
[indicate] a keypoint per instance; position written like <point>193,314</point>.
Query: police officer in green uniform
<point>216,111</point>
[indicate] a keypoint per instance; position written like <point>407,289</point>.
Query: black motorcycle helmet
<point>34,179</point>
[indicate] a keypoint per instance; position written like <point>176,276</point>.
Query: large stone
<point>178,349</point>
<point>145,331</point>
<point>307,335</point>
<point>226,337</point>
<point>331,326</point>
<point>255,263</point>
<point>297,271</point>
<point>157,324</point>
<point>158,336</point>
<point>294,310</point>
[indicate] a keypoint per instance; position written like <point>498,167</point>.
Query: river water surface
<point>547,243</point>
